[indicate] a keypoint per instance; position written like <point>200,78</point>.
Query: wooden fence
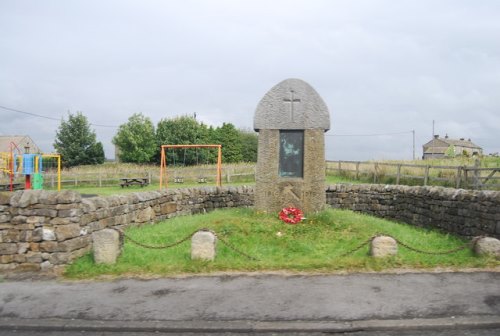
<point>467,177</point>
<point>186,174</point>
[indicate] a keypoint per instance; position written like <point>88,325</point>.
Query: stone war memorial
<point>291,120</point>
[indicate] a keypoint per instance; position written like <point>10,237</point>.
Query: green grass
<point>334,179</point>
<point>314,245</point>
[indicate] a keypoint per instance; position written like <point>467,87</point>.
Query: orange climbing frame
<point>163,163</point>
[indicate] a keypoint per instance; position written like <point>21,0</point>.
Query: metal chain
<point>158,247</point>
<point>123,234</point>
<point>235,249</point>
<point>366,242</point>
<point>471,244</point>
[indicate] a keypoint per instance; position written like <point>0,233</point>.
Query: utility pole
<point>433,130</point>
<point>413,131</point>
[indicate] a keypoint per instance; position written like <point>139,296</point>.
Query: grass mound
<point>314,245</point>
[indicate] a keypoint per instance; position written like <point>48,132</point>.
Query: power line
<point>368,135</point>
<point>46,117</point>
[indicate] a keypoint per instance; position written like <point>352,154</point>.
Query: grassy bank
<point>314,245</point>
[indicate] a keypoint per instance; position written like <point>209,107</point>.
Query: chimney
<point>436,136</point>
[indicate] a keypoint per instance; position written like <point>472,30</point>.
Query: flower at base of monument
<point>291,215</point>
<point>279,234</point>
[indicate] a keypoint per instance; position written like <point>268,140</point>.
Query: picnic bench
<point>128,181</point>
<point>6,187</point>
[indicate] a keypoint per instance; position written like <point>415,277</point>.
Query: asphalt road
<point>454,332</point>
<point>295,303</point>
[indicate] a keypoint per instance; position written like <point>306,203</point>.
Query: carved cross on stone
<point>291,100</point>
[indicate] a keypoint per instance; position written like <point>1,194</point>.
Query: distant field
<point>105,178</point>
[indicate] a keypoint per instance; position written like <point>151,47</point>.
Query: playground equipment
<point>178,179</point>
<point>16,164</point>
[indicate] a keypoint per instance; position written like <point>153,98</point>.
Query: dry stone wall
<point>463,212</point>
<point>44,230</point>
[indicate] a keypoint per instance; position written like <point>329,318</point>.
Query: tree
<point>76,142</point>
<point>450,152</point>
<point>184,130</point>
<point>136,140</point>
<point>249,143</point>
<point>229,137</point>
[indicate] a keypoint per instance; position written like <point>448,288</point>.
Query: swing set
<point>178,179</point>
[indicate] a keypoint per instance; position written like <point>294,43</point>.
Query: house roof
<point>440,145</point>
<point>19,141</point>
<point>461,143</point>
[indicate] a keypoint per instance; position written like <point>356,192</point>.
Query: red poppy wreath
<point>291,215</point>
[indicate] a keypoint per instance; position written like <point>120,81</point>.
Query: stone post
<point>487,246</point>
<point>106,246</point>
<point>383,246</point>
<point>203,246</point>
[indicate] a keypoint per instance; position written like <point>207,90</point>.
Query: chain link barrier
<point>359,247</point>
<point>177,243</point>
<point>155,247</point>
<point>470,244</point>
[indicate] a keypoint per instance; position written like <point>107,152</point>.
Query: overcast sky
<point>382,67</point>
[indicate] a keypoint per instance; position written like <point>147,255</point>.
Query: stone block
<point>70,213</point>
<point>34,257</point>
<point>487,246</point>
<point>48,234</point>
<point>68,231</point>
<point>59,258</point>
<point>35,220</point>
<point>24,198</point>
<point>144,215</point>
<point>37,235</point>
<point>60,221</point>
<point>8,248</point>
<point>5,259</point>
<point>74,244</point>
<point>46,266</point>
<point>10,236</point>
<point>106,245</point>
<point>22,248</point>
<point>68,196</point>
<point>203,246</point>
<point>383,246</point>
<point>4,218</point>
<point>37,212</point>
<point>28,267</point>
<point>5,198</point>
<point>48,246</point>
<point>168,208</point>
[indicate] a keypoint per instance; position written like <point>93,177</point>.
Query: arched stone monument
<point>291,120</point>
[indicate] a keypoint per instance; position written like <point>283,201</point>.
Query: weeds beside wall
<point>45,230</point>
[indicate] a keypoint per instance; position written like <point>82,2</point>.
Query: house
<point>22,142</point>
<point>447,147</point>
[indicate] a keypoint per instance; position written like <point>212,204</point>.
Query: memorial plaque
<point>291,120</point>
<point>291,154</point>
